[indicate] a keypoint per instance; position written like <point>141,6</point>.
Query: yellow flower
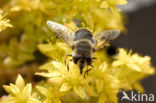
<point>64,81</point>
<point>110,3</point>
<point>104,81</point>
<point>28,5</point>
<point>130,68</point>
<point>58,74</point>
<point>19,93</point>
<point>55,51</point>
<point>135,62</point>
<point>4,23</point>
<point>50,93</point>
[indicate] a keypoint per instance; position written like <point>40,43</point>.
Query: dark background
<point>141,37</point>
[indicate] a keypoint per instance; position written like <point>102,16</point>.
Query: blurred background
<point>141,35</point>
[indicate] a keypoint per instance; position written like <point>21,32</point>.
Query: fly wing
<point>105,37</point>
<point>64,33</point>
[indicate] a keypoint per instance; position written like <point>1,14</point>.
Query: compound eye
<point>76,59</point>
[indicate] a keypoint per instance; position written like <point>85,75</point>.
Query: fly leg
<point>86,72</point>
<point>70,59</point>
<point>67,67</point>
<point>68,54</point>
<point>66,62</point>
<point>94,58</point>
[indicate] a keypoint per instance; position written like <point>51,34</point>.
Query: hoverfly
<point>82,42</point>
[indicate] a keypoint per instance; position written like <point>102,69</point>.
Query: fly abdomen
<point>82,54</point>
<point>83,48</point>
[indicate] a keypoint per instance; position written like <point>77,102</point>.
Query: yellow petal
<point>102,98</point>
<point>103,66</point>
<point>80,91</point>
<point>55,80</point>
<point>7,88</point>
<point>104,5</point>
<point>58,65</point>
<point>27,89</point>
<point>117,63</point>
<point>47,66</point>
<point>47,100</point>
<point>42,90</point>
<point>14,89</point>
<point>33,100</point>
<point>20,82</point>
<point>99,85</point>
<point>65,87</point>
<point>16,8</point>
<point>120,2</point>
<point>65,47</point>
<point>138,87</point>
<point>49,75</point>
<point>56,100</point>
<point>134,67</point>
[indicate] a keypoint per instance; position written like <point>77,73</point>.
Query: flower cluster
<point>104,81</point>
<point>29,20</point>
<point>4,23</point>
<point>20,93</point>
<point>22,46</point>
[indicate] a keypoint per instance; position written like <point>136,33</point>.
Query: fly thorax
<point>84,34</point>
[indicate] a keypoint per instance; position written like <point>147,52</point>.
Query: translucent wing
<point>105,37</point>
<point>62,32</point>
